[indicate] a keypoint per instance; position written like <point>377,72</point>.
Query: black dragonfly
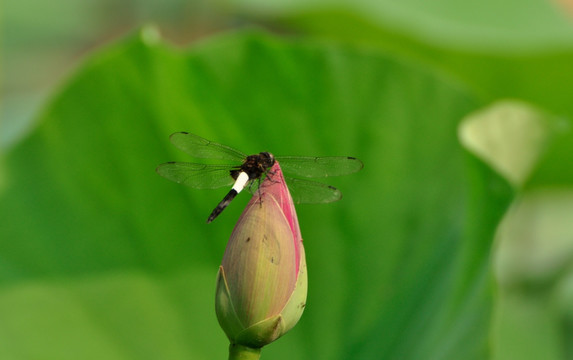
<point>245,169</point>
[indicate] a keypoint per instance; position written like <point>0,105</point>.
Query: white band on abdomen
<point>241,181</point>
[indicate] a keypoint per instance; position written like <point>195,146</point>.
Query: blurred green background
<point>454,242</point>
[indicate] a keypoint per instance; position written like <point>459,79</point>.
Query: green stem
<point>240,352</point>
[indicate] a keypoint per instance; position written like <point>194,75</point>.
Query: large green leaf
<point>101,258</point>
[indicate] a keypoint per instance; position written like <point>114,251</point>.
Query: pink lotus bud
<point>262,282</point>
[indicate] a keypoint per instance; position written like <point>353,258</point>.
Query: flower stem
<point>240,352</point>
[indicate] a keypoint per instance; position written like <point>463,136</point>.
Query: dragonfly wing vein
<point>201,148</point>
<point>312,192</point>
<point>198,176</point>
<point>316,167</point>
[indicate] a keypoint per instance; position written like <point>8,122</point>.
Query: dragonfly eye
<point>269,159</point>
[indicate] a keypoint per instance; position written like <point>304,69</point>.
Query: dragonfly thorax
<point>255,165</point>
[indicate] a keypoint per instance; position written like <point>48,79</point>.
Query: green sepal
<point>224,308</point>
<point>262,333</point>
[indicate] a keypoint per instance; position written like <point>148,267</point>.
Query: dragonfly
<point>244,170</point>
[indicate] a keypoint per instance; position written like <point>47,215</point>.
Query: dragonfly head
<point>266,159</point>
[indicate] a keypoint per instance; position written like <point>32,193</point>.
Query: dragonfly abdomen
<point>241,181</point>
<point>222,205</point>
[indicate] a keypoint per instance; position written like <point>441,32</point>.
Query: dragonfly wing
<point>312,192</point>
<point>198,176</point>
<point>316,167</point>
<point>201,148</point>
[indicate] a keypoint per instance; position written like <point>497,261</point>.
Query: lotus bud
<point>262,281</point>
